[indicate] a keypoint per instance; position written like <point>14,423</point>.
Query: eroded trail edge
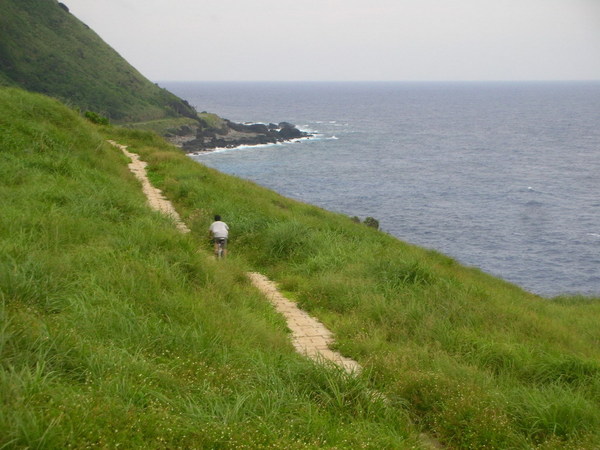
<point>309,336</point>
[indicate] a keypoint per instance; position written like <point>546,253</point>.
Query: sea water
<point>501,176</point>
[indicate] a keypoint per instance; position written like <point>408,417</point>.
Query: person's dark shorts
<point>216,241</point>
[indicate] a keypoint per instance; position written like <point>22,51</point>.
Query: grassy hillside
<point>44,48</point>
<point>477,361</point>
<point>115,329</point>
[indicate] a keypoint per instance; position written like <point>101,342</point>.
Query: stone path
<point>309,336</point>
<point>156,200</point>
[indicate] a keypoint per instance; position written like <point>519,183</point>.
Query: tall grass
<point>117,330</point>
<point>480,362</point>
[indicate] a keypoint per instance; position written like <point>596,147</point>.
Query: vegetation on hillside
<point>46,49</point>
<point>181,125</point>
<point>477,361</point>
<point>116,329</point>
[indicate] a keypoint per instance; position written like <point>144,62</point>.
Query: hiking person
<point>219,231</point>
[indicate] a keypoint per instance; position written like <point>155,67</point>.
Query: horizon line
<point>590,80</point>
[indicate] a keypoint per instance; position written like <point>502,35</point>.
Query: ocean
<point>501,176</point>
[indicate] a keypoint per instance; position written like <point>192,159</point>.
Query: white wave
<point>596,235</point>
<point>232,149</point>
<point>315,135</point>
<point>307,129</point>
<point>306,138</point>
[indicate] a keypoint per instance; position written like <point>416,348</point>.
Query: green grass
<point>117,329</point>
<point>48,50</point>
<point>480,362</point>
<point>212,120</point>
<point>164,126</point>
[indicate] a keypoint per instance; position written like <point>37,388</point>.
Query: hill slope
<point>44,48</point>
<point>115,330</point>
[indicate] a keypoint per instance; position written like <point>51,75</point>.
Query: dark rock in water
<point>289,131</point>
<point>236,126</point>
<point>259,128</point>
<point>232,134</point>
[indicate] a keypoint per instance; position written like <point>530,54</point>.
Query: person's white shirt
<point>219,229</point>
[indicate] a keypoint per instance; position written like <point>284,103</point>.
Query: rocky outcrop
<point>233,134</point>
<point>288,131</point>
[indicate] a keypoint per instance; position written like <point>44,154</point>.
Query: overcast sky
<point>404,40</point>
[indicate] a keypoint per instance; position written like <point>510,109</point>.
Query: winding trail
<point>309,336</point>
<point>156,199</point>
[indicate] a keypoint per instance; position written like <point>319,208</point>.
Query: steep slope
<point>115,331</point>
<point>476,361</point>
<point>44,48</point>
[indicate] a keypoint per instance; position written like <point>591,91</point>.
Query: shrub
<point>372,222</point>
<point>96,118</point>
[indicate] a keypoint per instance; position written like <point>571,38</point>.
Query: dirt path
<point>309,336</point>
<point>155,198</point>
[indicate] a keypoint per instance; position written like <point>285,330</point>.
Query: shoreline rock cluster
<point>233,134</point>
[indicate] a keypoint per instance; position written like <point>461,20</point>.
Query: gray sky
<point>404,40</point>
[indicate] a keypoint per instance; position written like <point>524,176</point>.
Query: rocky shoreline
<point>231,135</point>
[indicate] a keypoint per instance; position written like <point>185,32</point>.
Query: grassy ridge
<point>46,49</point>
<point>115,329</point>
